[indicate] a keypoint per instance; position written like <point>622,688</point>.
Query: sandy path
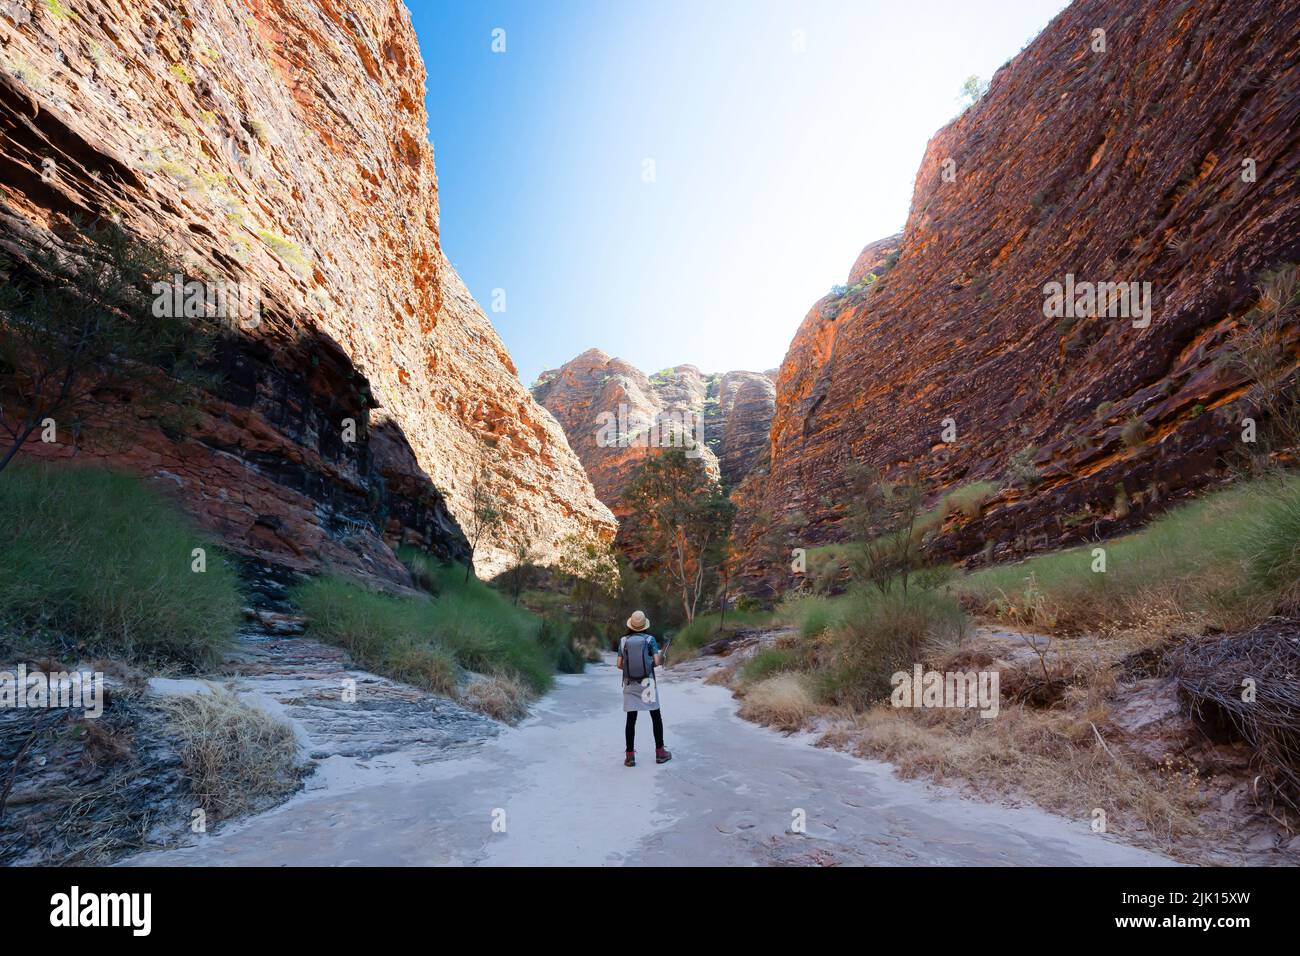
<point>727,798</point>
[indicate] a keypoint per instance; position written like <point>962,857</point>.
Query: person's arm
<point>659,655</point>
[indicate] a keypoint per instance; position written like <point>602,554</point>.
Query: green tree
<point>775,539</point>
<point>681,522</point>
<point>972,91</point>
<point>592,571</point>
<point>485,514</point>
<point>517,576</point>
<point>83,322</point>
<point>883,518</point>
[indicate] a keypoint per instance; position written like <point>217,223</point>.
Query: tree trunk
<point>18,443</point>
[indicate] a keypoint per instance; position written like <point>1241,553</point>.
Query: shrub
<point>501,698</point>
<point>708,627</point>
<point>422,566</point>
<point>829,564</point>
<point>1263,349</point>
<point>100,557</point>
<point>880,634</point>
<point>1273,544</point>
<point>555,638</point>
<point>769,661</point>
<point>887,524</point>
<point>389,635</point>
<point>1021,470</point>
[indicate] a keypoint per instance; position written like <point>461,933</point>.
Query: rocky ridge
<point>1167,158</point>
<point>730,412</point>
<point>284,146</point>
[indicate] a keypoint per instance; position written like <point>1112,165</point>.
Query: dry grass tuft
<point>501,698</point>
<point>236,757</point>
<point>102,744</point>
<point>1055,758</point>
<point>786,702</point>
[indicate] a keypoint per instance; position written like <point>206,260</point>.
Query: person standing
<point>638,655</point>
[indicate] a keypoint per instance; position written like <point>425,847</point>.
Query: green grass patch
<point>421,641</point>
<point>97,557</point>
<point>777,659</point>
<point>810,613</point>
<point>968,499</point>
<point>1229,557</point>
<point>389,635</point>
<point>708,627</point>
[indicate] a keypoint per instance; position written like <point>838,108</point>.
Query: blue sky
<point>773,165</point>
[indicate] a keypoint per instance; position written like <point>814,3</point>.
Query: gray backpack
<point>638,663</point>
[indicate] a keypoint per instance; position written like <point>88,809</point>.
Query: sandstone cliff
<point>1169,157</point>
<point>284,145</point>
<point>730,411</point>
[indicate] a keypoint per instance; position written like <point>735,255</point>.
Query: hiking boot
<point>629,759</point>
<point>663,756</point>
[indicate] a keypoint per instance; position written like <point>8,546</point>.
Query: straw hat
<point>638,621</point>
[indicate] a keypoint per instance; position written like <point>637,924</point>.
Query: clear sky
<point>784,136</point>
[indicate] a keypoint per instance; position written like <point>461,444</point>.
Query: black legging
<point>629,732</point>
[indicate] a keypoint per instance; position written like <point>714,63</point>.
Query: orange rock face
<point>284,145</point>
<point>1168,157</point>
<point>726,416</point>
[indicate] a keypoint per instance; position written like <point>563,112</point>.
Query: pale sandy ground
<point>727,798</point>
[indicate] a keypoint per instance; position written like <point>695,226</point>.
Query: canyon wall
<point>284,146</point>
<point>731,411</point>
<point>1165,151</point>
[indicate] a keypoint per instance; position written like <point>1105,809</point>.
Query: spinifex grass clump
<point>968,499</point>
<point>387,634</point>
<point>108,566</point>
<point>423,640</point>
